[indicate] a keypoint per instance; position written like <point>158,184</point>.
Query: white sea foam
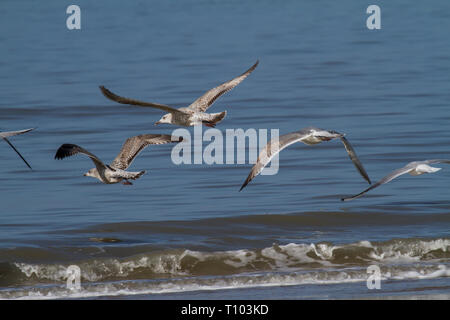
<point>277,265</point>
<point>241,281</point>
<point>275,257</point>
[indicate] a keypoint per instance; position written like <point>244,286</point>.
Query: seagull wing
<point>134,145</point>
<point>14,133</point>
<point>270,150</point>
<point>391,176</point>
<point>437,161</point>
<point>119,99</point>
<point>6,134</point>
<point>206,100</point>
<point>352,154</point>
<point>68,150</point>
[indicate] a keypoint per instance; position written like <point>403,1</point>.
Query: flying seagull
<point>6,134</point>
<point>414,168</point>
<point>195,113</point>
<point>308,136</point>
<point>116,171</point>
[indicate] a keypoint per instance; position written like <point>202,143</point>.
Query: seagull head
<point>91,173</point>
<point>167,118</point>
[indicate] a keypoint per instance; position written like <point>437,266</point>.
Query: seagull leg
<point>127,183</point>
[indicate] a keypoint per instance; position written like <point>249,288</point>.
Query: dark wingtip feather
<point>250,70</point>
<point>253,67</point>
<point>364,174</point>
<point>244,184</point>
<point>108,94</point>
<point>354,158</point>
<point>17,151</point>
<point>65,150</point>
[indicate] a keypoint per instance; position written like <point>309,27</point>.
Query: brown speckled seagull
<point>6,134</point>
<point>195,113</point>
<point>116,171</point>
<point>308,136</point>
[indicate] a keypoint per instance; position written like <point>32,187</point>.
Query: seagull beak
<point>157,122</point>
<point>85,175</point>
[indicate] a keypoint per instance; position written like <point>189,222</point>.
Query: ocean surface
<point>185,231</point>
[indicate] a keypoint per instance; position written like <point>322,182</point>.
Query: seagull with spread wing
<point>308,136</point>
<point>6,134</point>
<point>194,114</point>
<point>414,168</point>
<point>116,171</point>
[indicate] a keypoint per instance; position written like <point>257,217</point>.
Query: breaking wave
<point>187,270</point>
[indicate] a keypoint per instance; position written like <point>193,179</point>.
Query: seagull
<point>6,134</point>
<point>195,113</point>
<point>310,136</point>
<point>116,171</point>
<point>415,168</point>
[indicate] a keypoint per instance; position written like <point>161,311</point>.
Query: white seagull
<point>195,113</point>
<point>308,136</point>
<point>6,134</point>
<point>116,171</point>
<point>415,168</point>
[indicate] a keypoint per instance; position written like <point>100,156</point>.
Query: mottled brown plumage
<point>134,145</point>
<point>116,171</point>
<point>195,113</point>
<point>207,99</point>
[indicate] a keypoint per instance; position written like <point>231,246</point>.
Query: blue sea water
<point>183,226</point>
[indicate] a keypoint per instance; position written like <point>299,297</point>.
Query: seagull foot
<point>127,183</point>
